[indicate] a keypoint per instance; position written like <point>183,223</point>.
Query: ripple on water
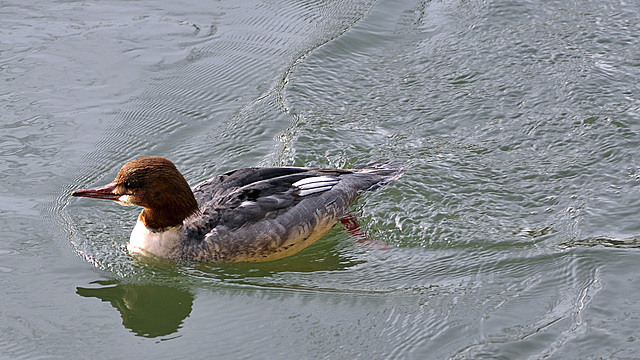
<point>518,144</point>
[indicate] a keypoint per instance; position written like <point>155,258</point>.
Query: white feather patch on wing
<point>315,184</point>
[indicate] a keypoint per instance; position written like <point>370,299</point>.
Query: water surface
<point>513,235</point>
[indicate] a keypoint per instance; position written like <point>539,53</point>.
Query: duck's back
<point>261,214</point>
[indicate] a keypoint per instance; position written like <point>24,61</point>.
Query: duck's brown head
<point>153,183</point>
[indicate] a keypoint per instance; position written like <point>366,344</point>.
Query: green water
<point>512,236</point>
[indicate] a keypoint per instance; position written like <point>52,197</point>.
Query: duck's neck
<point>155,220</point>
<point>159,229</point>
<point>169,214</point>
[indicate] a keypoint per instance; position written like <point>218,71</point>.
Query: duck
<point>253,214</point>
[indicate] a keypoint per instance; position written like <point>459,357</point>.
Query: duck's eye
<point>128,185</point>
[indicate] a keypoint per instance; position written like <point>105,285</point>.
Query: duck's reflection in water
<point>147,310</point>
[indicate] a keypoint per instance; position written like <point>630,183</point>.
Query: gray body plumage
<point>259,214</point>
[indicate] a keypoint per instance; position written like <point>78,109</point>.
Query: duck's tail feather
<point>387,170</point>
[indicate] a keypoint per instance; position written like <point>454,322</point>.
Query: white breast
<point>164,243</point>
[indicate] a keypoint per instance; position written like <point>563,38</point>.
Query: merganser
<point>251,214</point>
